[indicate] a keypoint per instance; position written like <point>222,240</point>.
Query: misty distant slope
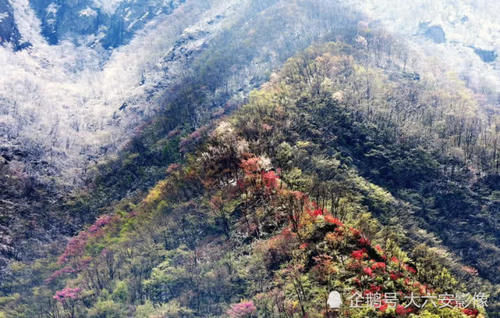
<point>464,35</point>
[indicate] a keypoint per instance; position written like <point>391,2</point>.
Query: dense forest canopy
<point>261,156</point>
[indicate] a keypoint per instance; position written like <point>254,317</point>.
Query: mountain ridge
<point>378,136</point>
<point>230,187</point>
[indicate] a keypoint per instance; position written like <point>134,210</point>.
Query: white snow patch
<point>466,23</point>
<point>27,22</point>
<point>3,15</point>
<point>52,9</point>
<point>108,6</point>
<point>127,15</point>
<point>66,97</point>
<point>88,12</point>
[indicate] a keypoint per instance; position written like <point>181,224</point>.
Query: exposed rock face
<point>25,206</point>
<point>110,23</point>
<point>487,56</point>
<point>436,34</point>
<point>8,28</point>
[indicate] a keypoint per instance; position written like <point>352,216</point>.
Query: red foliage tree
<point>359,254</point>
<point>411,269</point>
<point>400,310</point>
<point>270,180</point>
<point>395,276</point>
<point>383,307</point>
<point>378,265</point>
<point>100,223</point>
<point>67,294</point>
<point>317,212</point>
<point>364,241</point>
<point>368,271</point>
<point>75,247</point>
<point>470,312</point>
<point>332,220</point>
<point>244,309</point>
<point>251,165</point>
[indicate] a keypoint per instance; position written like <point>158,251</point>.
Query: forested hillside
<point>245,159</point>
<point>323,180</point>
<point>58,122</point>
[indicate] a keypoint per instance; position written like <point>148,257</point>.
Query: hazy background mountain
<point>462,36</point>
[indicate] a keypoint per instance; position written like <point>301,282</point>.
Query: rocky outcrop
<point>25,205</point>
<point>89,22</point>
<point>8,29</point>
<point>436,34</point>
<point>487,56</point>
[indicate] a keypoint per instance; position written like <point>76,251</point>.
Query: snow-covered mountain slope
<point>76,103</point>
<point>91,22</point>
<point>66,98</point>
<point>462,35</point>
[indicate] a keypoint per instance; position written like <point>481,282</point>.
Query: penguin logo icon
<point>334,300</point>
